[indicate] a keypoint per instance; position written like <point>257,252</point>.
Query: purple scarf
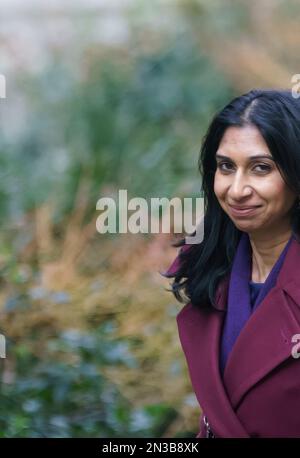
<point>239,305</point>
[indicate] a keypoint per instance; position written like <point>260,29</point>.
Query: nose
<point>239,188</point>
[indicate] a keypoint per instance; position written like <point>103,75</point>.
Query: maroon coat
<point>259,395</point>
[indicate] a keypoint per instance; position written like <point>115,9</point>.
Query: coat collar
<point>264,343</point>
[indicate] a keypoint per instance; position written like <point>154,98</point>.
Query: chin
<point>247,226</point>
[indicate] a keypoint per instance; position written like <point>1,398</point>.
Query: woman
<point>239,328</point>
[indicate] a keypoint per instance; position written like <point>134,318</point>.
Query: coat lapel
<point>265,340</point>
<point>264,343</point>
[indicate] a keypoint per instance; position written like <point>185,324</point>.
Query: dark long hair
<point>276,114</point>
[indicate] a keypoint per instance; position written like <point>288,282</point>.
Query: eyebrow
<point>256,156</point>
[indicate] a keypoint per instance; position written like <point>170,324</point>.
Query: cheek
<point>274,189</point>
<point>277,194</point>
<point>219,187</point>
<point>285,197</point>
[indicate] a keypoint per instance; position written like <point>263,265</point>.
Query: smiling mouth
<point>244,208</point>
<point>243,211</point>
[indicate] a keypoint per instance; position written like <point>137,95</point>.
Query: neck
<point>265,252</point>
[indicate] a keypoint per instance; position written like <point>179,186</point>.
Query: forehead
<point>243,142</point>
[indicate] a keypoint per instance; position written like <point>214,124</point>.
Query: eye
<point>264,167</point>
<point>221,164</point>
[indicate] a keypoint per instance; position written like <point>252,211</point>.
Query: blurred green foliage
<point>65,394</point>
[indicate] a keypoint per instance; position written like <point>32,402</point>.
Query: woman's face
<point>243,180</point>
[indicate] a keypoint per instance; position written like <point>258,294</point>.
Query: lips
<point>244,208</point>
<point>243,211</point>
